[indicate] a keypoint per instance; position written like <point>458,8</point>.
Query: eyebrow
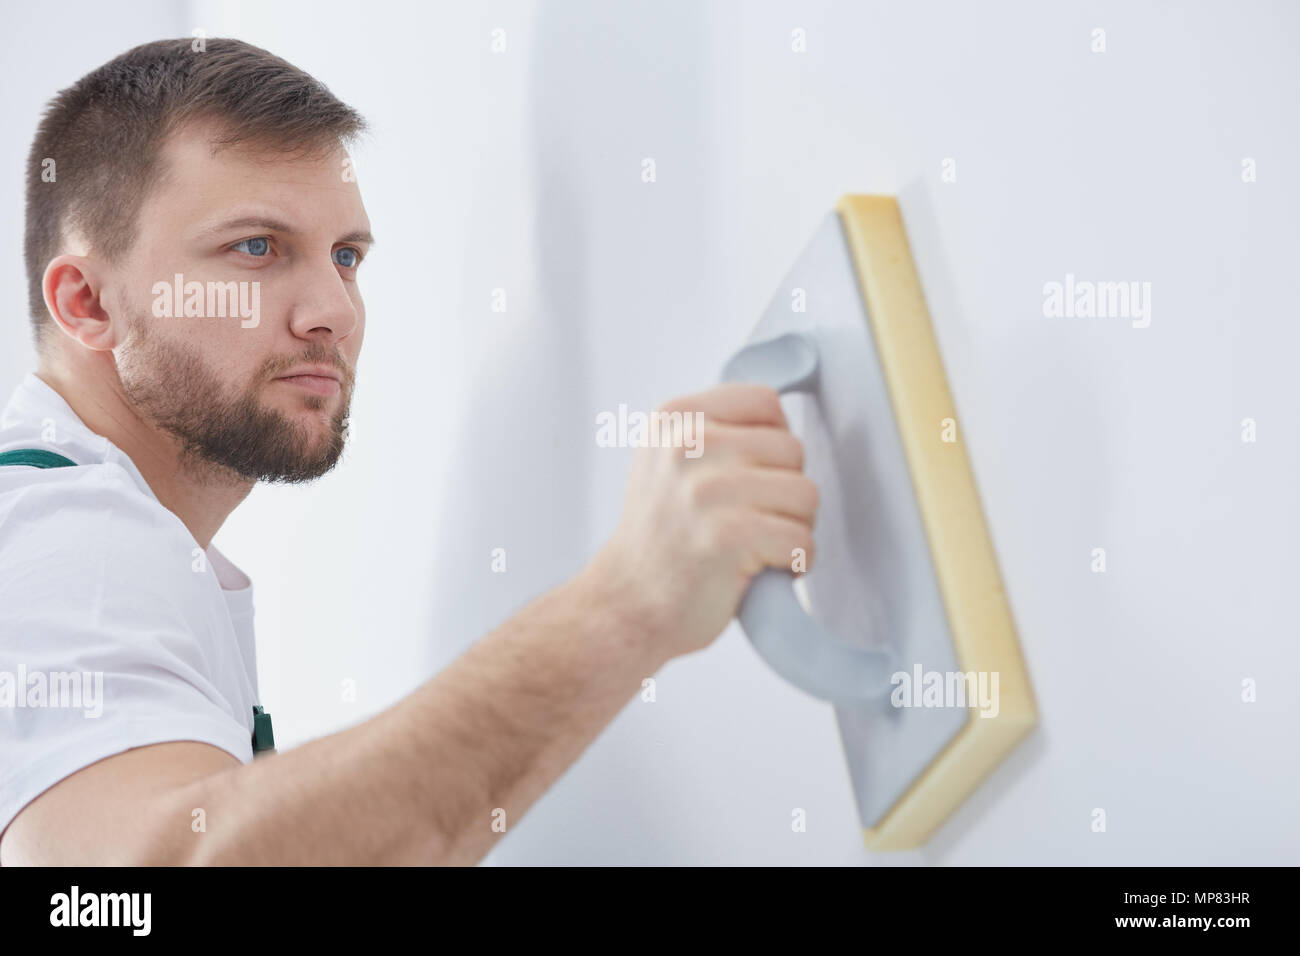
<point>275,225</point>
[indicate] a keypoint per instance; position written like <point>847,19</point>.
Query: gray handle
<point>792,643</point>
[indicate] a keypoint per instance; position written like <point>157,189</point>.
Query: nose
<point>323,308</point>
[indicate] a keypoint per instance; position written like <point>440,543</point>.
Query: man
<point>193,246</point>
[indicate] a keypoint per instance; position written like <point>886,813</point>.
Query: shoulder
<point>89,525</point>
<point>89,496</point>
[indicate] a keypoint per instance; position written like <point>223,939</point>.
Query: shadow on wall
<point>520,467</point>
<point>530,482</point>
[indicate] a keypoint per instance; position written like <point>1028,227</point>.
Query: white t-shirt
<point>116,629</point>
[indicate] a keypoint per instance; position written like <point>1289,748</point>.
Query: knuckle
<point>794,450</point>
<point>705,487</point>
<point>768,402</point>
<point>706,435</point>
<point>670,406</point>
<point>814,495</point>
<point>729,530</point>
<point>804,540</point>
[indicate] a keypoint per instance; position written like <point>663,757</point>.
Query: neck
<point>201,494</point>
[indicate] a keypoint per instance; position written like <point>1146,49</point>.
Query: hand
<point>695,530</point>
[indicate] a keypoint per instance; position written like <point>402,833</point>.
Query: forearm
<point>424,781</point>
<point>517,709</point>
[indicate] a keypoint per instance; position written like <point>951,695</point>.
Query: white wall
<point>475,429</point>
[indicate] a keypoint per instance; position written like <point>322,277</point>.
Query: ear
<point>73,286</point>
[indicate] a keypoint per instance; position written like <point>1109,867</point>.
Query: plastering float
<point>906,587</point>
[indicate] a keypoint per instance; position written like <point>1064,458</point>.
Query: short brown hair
<point>104,134</point>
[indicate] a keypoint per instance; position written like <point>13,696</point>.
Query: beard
<point>176,391</point>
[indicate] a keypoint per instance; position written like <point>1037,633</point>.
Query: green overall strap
<point>263,737</point>
<point>36,457</point>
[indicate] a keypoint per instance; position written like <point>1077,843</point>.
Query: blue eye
<point>256,247</point>
<point>350,258</point>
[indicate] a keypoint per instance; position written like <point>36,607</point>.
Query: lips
<point>317,384</point>
<point>323,371</point>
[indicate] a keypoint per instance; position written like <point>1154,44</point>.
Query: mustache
<point>276,367</point>
<point>318,353</point>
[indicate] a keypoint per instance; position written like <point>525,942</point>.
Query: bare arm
<point>419,783</point>
<point>424,781</point>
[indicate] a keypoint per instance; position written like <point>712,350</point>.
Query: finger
<point>778,541</point>
<point>751,444</point>
<point>778,491</point>
<point>735,402</point>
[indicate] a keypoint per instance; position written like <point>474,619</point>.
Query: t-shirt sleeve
<point>107,639</point>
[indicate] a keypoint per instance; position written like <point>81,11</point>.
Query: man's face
<point>274,242</point>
